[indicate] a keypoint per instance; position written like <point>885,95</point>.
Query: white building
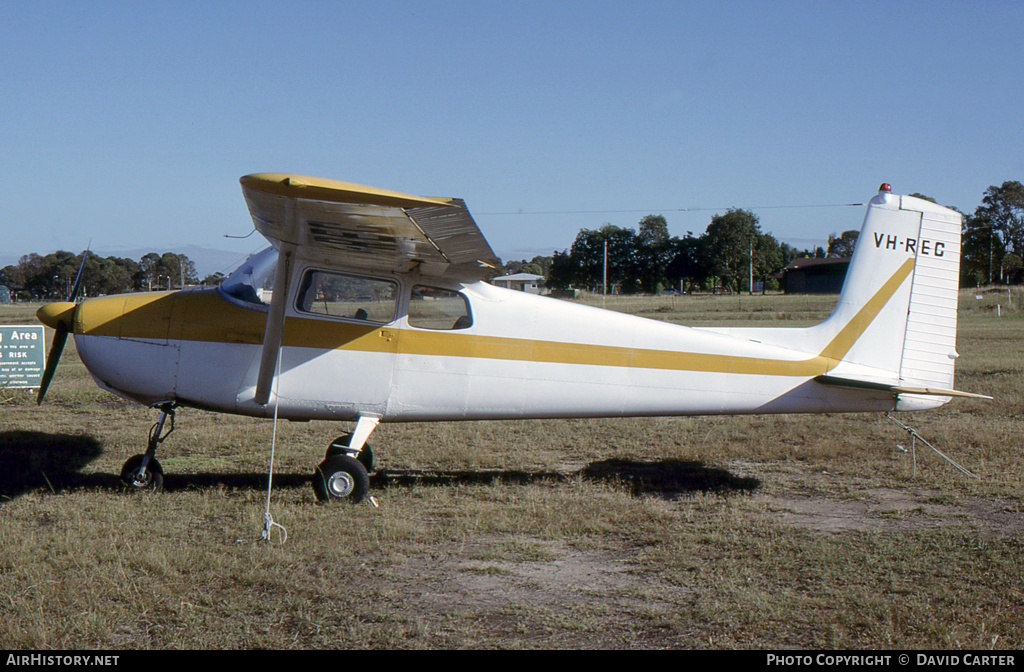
<point>524,282</point>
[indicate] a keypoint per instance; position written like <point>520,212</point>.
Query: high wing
<point>353,226</point>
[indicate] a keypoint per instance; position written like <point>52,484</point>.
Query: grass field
<point>747,532</point>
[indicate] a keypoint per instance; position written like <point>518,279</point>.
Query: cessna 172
<point>369,306</point>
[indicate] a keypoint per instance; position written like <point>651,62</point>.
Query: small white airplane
<point>369,306</point>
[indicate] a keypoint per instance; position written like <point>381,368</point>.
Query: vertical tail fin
<point>895,322</point>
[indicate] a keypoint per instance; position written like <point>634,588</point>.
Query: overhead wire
<point>696,209</point>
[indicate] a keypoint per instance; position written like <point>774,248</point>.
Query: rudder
<point>929,347</point>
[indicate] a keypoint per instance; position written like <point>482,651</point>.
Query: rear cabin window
<point>436,308</point>
<point>348,296</point>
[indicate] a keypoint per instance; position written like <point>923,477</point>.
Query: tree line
<point>52,276</point>
<point>645,259</point>
<point>733,248</point>
<point>993,238</point>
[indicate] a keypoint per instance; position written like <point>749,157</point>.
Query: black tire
<point>341,478</point>
<point>340,447</point>
<point>153,480</point>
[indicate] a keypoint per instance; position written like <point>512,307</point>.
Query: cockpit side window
<point>349,296</point>
<point>436,308</point>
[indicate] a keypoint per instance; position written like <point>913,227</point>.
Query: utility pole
<point>750,287</point>
<point>991,244</point>
<point>604,280</point>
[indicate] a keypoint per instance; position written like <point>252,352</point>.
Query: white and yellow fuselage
<point>533,357</point>
<point>369,307</point>
<point>523,357</point>
<point>890,344</point>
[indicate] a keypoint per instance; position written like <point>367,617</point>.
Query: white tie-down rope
<point>268,520</point>
<point>914,437</point>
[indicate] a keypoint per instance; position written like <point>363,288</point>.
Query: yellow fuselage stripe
<point>205,316</point>
<point>848,335</point>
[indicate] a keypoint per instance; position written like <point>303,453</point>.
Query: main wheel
<point>340,447</point>
<point>339,478</point>
<point>153,479</point>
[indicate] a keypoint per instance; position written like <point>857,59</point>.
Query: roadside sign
<point>22,355</point>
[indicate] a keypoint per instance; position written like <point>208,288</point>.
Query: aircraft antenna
<point>228,235</point>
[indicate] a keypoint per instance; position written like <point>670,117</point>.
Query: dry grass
<point>767,532</point>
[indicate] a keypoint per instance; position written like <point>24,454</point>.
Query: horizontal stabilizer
<point>895,389</point>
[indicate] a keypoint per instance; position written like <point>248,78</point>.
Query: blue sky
<point>129,124</point>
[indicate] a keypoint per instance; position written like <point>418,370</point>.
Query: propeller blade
<point>60,337</point>
<point>78,278</point>
<point>60,316</point>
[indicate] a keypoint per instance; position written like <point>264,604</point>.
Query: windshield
<point>253,281</point>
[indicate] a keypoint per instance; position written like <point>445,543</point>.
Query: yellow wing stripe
<point>335,191</point>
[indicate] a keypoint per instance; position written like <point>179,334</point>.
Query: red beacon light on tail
<point>884,187</point>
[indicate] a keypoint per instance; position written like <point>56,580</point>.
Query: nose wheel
<point>135,477</point>
<point>143,472</point>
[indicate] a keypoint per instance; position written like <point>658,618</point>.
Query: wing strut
<point>274,331</point>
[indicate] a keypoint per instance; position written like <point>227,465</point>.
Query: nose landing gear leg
<point>143,472</point>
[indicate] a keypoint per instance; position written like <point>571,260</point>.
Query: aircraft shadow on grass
<point>40,461</point>
<point>37,460</point>
<point>666,478</point>
<point>670,477</point>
